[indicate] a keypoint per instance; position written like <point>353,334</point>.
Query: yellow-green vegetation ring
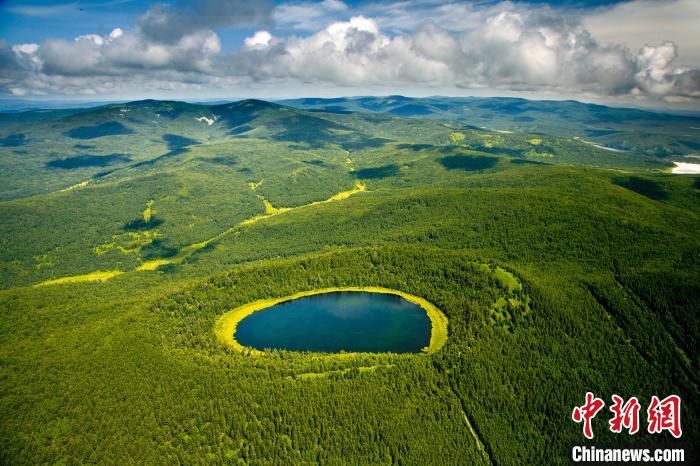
<point>225,327</point>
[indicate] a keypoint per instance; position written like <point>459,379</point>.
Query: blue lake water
<point>339,321</point>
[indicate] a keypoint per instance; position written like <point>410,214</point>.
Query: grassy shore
<point>225,327</point>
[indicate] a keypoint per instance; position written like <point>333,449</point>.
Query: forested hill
<point>642,131</point>
<point>128,230</point>
<point>49,150</point>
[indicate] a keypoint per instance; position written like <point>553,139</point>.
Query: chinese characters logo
<point>662,415</point>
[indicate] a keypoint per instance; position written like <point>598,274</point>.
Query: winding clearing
<point>98,276</point>
<point>185,252</point>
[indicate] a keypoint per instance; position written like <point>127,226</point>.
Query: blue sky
<point>640,51</point>
<point>30,21</point>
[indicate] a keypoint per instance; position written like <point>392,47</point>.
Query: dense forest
<point>113,275</point>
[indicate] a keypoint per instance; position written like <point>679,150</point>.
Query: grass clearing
<point>154,264</point>
<point>507,280</point>
<point>98,276</point>
<point>456,137</point>
<point>270,211</point>
<point>128,243</point>
<point>148,212</point>
<point>358,188</point>
<point>82,184</point>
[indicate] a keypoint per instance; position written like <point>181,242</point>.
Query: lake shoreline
<point>225,326</point>
<point>686,168</point>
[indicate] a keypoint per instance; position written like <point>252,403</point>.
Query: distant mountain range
<point>653,133</point>
<point>43,150</point>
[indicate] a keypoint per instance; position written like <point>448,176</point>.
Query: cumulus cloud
<point>93,64</point>
<point>526,50</point>
<point>261,39</point>
<point>504,46</point>
<point>657,76</point>
<point>531,50</point>
<point>121,53</point>
<point>638,23</point>
<point>348,53</point>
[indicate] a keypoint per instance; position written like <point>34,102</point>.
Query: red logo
<point>625,415</point>
<point>662,415</point>
<point>587,412</point>
<point>665,415</point>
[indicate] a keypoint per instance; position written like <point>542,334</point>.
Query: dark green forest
<point>124,241</point>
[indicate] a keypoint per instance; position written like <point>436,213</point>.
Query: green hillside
<point>624,129</point>
<point>129,229</point>
<point>50,150</point>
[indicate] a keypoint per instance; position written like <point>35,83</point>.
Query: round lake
<point>338,321</point>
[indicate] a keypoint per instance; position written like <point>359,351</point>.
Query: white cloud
<point>122,53</point>
<point>644,22</point>
<point>656,76</point>
<point>513,49</point>
<point>505,47</point>
<point>44,10</point>
<point>26,56</point>
<point>116,33</point>
<point>261,39</point>
<point>350,52</point>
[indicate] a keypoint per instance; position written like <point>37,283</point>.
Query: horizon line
<point>103,102</point>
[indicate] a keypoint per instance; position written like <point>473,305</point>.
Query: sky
<point>635,52</point>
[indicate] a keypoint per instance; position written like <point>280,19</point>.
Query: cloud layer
<point>502,46</point>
